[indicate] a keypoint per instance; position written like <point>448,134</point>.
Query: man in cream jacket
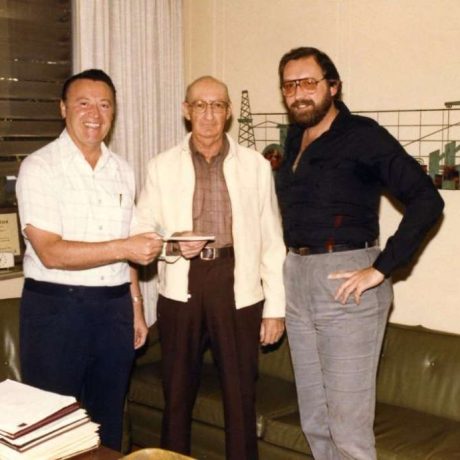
<point>224,291</point>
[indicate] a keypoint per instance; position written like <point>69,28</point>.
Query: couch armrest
<point>419,370</point>
<point>9,332</point>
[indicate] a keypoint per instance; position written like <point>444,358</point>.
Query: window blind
<point>35,59</point>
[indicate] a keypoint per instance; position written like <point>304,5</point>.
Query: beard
<point>307,116</point>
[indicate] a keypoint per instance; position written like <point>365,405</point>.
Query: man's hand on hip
<point>356,283</point>
<point>271,330</point>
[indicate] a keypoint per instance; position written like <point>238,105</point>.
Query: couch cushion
<point>284,431</point>
<point>406,434</point>
<point>401,434</point>
<point>274,396</point>
<point>275,360</point>
<point>419,370</point>
<point>145,386</point>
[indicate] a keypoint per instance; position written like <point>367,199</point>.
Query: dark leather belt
<point>67,290</point>
<point>215,253</point>
<point>327,248</point>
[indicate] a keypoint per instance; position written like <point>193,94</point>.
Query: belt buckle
<point>304,251</point>
<point>208,254</point>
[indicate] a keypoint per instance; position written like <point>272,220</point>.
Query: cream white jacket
<point>167,201</point>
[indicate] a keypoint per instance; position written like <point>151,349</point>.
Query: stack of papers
<point>37,424</point>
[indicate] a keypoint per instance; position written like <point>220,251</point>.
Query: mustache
<point>299,102</point>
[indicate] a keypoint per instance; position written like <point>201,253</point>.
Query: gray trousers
<point>335,350</point>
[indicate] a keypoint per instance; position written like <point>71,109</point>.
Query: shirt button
<point>102,278</point>
<point>100,227</point>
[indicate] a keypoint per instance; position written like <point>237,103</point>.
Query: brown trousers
<point>209,319</point>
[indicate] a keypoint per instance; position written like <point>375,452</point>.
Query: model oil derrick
<point>246,129</point>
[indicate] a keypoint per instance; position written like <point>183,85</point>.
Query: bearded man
<point>336,278</point>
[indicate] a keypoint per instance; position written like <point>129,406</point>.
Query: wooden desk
<point>102,453</point>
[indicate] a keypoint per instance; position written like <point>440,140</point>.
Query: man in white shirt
<point>81,309</point>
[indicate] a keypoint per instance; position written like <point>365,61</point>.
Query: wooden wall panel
<point>30,90</point>
<point>35,60</point>
<point>29,110</point>
<point>26,129</point>
<point>33,71</point>
<point>22,147</point>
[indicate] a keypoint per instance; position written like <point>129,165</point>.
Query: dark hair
<point>90,74</point>
<point>329,69</point>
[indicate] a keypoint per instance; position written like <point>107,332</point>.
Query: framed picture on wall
<point>11,240</point>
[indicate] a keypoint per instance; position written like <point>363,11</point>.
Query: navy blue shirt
<point>333,196</point>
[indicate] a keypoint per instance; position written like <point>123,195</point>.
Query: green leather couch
<point>418,397</point>
<point>418,401</point>
<point>9,339</point>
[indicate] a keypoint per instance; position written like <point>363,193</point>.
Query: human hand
<point>357,281</point>
<point>140,327</point>
<point>271,330</point>
<point>140,332</point>
<point>189,249</point>
<point>143,248</point>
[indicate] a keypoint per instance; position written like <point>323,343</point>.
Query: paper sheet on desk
<point>22,406</point>
<point>48,431</point>
<point>68,444</point>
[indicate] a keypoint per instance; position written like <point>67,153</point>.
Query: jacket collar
<point>232,150</point>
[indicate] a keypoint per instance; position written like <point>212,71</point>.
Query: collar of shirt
<point>339,123</point>
<point>223,152</point>
<point>71,153</point>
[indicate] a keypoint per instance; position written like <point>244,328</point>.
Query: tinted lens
<point>308,84</point>
<point>289,87</point>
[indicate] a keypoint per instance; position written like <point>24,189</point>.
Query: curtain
<point>139,44</point>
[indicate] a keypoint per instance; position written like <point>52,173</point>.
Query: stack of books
<point>37,424</point>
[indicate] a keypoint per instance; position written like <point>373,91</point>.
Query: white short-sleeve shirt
<point>59,192</point>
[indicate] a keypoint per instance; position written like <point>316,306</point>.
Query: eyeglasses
<point>289,87</point>
<point>201,106</point>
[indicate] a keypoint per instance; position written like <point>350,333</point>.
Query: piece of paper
<point>37,424</point>
<point>68,444</point>
<point>49,430</point>
<point>190,238</point>
<point>22,406</point>
<point>9,233</point>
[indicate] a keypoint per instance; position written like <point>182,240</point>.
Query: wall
<point>427,292</point>
<point>11,286</point>
<point>391,54</point>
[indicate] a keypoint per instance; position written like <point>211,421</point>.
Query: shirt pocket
<point>74,209</point>
<point>114,210</point>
